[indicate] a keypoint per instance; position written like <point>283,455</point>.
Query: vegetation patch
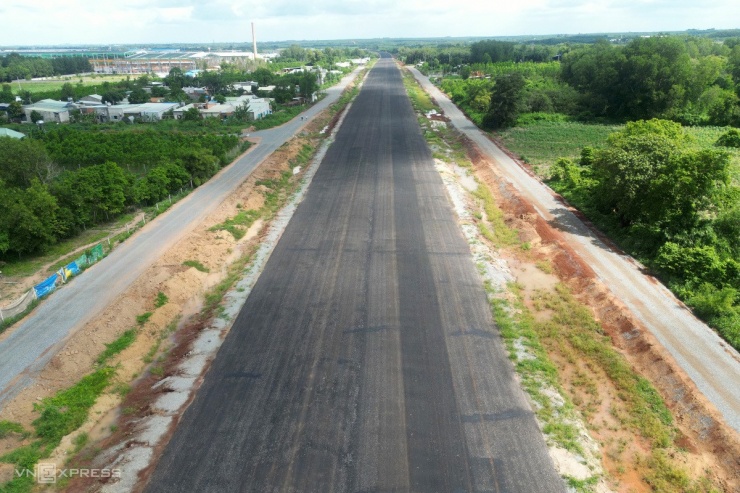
<point>239,224</point>
<point>196,265</point>
<point>115,347</point>
<point>161,300</point>
<point>59,415</point>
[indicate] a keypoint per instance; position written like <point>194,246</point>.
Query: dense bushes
<point>671,204</point>
<point>102,174</point>
<point>133,149</point>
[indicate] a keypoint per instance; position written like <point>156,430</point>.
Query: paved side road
<point>712,364</point>
<point>365,358</point>
<point>30,347</point>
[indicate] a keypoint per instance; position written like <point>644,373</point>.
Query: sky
<point>60,22</point>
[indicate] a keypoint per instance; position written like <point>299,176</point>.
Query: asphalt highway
<point>366,358</point>
<point>27,350</point>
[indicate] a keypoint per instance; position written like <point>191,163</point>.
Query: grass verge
<point>196,265</point>
<point>59,415</point>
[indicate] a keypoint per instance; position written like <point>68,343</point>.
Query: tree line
<point>14,66</point>
<point>46,195</point>
<point>694,81</point>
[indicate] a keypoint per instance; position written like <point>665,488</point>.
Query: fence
<point>49,284</point>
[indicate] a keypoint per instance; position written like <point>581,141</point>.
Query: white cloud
<point>141,21</point>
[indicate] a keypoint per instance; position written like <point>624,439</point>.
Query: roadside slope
<point>711,363</point>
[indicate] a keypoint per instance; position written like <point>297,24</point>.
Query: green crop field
<point>542,143</point>
<point>58,82</point>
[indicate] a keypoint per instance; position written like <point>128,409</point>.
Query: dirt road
<point>711,363</point>
<point>365,358</point>
<point>36,339</point>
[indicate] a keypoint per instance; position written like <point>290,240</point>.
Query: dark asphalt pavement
<point>366,358</point>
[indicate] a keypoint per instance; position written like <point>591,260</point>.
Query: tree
<point>6,95</point>
<point>241,113</point>
<point>15,110</point>
<point>264,77</point>
<point>649,175</point>
<point>506,101</point>
<point>293,53</point>
<point>594,71</point>
<point>655,77</point>
<point>28,218</point>
<point>36,116</point>
<point>200,163</point>
<point>191,115</point>
<point>138,96</point>
<point>67,92</point>
<point>308,85</point>
<point>23,160</point>
<point>112,97</point>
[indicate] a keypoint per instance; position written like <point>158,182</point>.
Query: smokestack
<point>254,43</point>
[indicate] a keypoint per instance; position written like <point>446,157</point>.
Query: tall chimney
<point>254,43</point>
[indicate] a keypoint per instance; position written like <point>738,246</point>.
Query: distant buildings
<point>50,110</point>
<point>257,108</point>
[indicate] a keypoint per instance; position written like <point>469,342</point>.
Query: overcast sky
<point>47,22</point>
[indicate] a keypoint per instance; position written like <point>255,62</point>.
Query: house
<point>217,111</point>
<point>153,111</point>
<point>178,112</point>
<point>259,108</point>
<point>266,89</point>
<point>50,110</point>
<point>146,112</point>
<point>6,132</point>
<point>245,86</point>
<point>195,93</point>
<point>92,99</point>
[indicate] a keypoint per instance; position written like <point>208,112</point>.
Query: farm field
<point>542,143</point>
<point>55,83</point>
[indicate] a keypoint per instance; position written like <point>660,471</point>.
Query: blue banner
<point>71,270</point>
<point>46,287</point>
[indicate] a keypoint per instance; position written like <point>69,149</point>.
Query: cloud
<point>158,21</point>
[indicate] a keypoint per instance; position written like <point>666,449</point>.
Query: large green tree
<point>28,218</point>
<point>506,101</point>
<point>649,175</point>
<point>22,160</point>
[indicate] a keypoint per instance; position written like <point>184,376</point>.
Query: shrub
<point>731,138</point>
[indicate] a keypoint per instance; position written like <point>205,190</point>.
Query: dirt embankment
<point>708,446</point>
